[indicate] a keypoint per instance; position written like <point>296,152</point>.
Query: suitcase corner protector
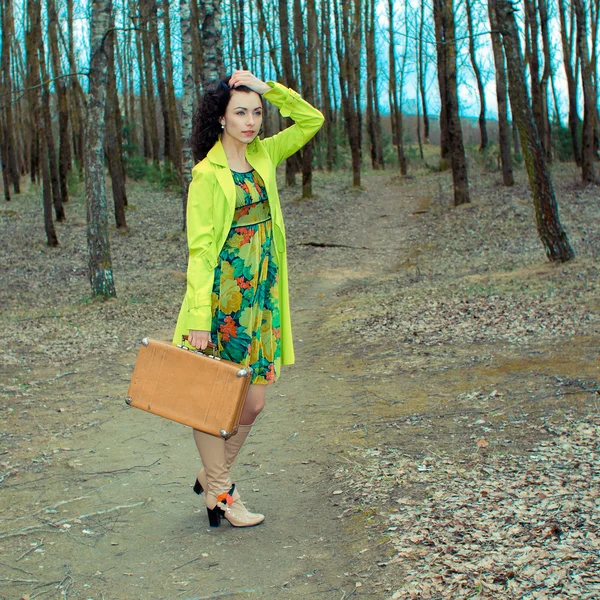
<point>128,401</point>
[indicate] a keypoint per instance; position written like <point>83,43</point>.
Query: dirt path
<point>96,497</point>
<point>105,509</point>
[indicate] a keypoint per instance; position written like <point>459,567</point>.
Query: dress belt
<point>251,214</point>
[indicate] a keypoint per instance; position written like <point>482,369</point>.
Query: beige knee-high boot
<point>232,448</point>
<point>221,498</point>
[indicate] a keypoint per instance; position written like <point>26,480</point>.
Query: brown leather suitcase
<point>196,389</point>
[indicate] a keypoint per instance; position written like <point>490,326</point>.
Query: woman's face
<point>243,116</point>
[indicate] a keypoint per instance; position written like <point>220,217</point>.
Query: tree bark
<point>47,118</point>
<point>373,113</point>
<point>443,11</point>
<point>589,107</point>
<point>442,65</point>
<point>327,132</point>
<point>346,39</point>
<point>546,74</point>
<point>100,264</point>
<point>472,52</point>
<point>76,97</point>
<point>160,77</point>
<point>549,228</point>
<point>187,103</point>
<point>33,36</point>
<point>145,113</point>
<point>395,104</point>
<point>174,150</point>
<point>501,94</point>
<point>64,151</point>
<point>422,69</point>
<point>212,42</point>
<point>291,164</point>
<point>566,35</point>
<point>145,24</point>
<point>533,59</point>
<point>9,143</point>
<point>197,10</point>
<point>306,50</point>
<point>112,146</point>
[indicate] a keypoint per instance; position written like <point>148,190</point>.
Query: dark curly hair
<point>205,122</point>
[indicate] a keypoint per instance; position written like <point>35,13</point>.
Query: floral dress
<point>245,298</point>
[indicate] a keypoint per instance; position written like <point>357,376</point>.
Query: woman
<point>237,291</point>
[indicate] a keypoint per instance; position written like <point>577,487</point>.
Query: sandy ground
<point>96,497</point>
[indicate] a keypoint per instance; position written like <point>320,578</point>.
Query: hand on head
<point>249,80</point>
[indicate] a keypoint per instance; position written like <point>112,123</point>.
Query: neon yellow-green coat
<point>211,205</point>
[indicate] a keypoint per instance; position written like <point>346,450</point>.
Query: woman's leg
<point>253,405</point>
<point>255,402</point>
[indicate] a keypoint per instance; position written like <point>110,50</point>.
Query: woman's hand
<point>249,80</point>
<point>199,339</point>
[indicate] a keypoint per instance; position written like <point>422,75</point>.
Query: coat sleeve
<point>307,121</point>
<point>201,245</point>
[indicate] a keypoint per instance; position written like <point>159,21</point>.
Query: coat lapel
<point>218,158</point>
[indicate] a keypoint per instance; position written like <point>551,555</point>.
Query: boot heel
<point>214,516</point>
<point>198,487</point>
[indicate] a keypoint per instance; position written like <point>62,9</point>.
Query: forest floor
<point>438,437</point>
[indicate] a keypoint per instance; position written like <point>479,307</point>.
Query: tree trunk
<point>77,98</point>
<point>9,142</point>
<point>306,50</point>
<point>212,43</point>
<point>566,34</point>
<point>395,105</point>
<point>197,14</point>
<point>242,35</point>
<point>443,11</point>
<point>546,73</point>
<point>589,104</point>
<point>160,77</point>
<point>145,24</point>
<point>501,94</point>
<point>33,36</point>
<point>346,38</point>
<point>174,150</point>
<point>472,52</point>
<point>112,146</point>
<point>422,69</point>
<point>145,113</point>
<point>187,102</point>
<point>264,31</point>
<point>100,264</point>
<point>47,119</point>
<point>549,228</point>
<point>64,161</point>
<point>442,60</point>
<point>533,59</point>
<point>373,115</point>
<point>130,131</point>
<point>291,164</point>
<point>327,132</point>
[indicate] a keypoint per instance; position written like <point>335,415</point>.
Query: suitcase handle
<point>213,347</point>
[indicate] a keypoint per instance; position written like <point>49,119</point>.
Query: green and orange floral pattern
<point>245,299</point>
